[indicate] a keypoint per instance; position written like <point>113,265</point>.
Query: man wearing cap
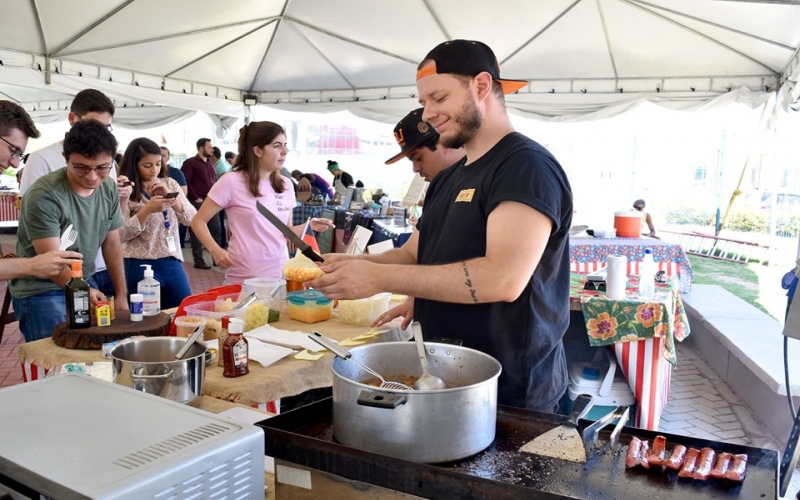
<point>418,142</point>
<point>341,180</point>
<point>491,263</point>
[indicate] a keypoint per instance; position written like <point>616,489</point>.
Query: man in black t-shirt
<point>491,262</point>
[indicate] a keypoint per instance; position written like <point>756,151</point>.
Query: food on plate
<point>689,464</point>
<point>705,462</point>
<point>676,459</point>
<point>721,466</point>
<point>737,468</point>
<point>635,446</point>
<point>301,268</point>
<point>657,452</point>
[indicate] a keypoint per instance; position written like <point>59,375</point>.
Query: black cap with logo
<point>412,132</point>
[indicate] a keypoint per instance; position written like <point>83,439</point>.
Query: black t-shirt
<point>345,179</point>
<point>524,335</point>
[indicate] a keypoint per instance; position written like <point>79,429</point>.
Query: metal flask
<point>422,426</point>
<point>149,365</point>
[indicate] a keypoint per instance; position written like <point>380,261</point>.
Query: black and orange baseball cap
<point>467,57</point>
<point>412,132</point>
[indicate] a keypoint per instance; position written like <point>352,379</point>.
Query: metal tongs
<point>245,302</point>
<point>621,413</point>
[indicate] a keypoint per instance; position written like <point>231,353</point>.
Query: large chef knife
<point>301,245</point>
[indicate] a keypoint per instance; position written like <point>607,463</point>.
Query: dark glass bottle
<point>235,350</point>
<point>77,290</point>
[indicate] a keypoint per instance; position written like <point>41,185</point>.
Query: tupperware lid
<point>303,297</point>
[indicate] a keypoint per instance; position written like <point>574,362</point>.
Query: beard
<point>469,120</point>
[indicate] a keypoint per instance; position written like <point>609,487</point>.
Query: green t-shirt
<point>222,167</point>
<point>49,206</point>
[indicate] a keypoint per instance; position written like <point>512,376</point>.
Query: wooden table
<point>287,377</point>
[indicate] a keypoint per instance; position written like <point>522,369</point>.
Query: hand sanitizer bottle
<point>150,289</point>
<point>647,271</point>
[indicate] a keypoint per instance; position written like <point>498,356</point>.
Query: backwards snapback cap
<point>412,132</point>
<point>467,57</point>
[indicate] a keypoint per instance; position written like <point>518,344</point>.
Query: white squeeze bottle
<point>647,272</point>
<point>150,289</point>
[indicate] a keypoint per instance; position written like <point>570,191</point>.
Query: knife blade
<point>301,245</point>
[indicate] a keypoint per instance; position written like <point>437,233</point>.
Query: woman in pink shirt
<point>257,249</point>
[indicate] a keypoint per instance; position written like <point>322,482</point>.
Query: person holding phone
<point>156,207</point>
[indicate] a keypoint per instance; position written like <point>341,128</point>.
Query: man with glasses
<point>88,104</point>
<point>639,205</point>
<point>16,127</point>
<point>83,195</point>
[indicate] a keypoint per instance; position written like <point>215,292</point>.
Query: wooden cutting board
<point>121,328</point>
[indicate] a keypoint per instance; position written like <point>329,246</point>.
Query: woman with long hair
<point>257,249</point>
<point>152,214</point>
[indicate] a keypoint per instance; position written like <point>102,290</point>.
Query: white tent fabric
<point>583,58</point>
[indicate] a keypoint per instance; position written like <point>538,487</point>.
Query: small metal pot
<point>421,426</point>
<point>149,365</point>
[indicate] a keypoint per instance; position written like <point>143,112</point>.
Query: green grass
<point>739,279</point>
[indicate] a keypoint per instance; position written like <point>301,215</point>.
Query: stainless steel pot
<point>421,426</point>
<point>149,365</point>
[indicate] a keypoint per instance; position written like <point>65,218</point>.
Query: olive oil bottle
<point>77,290</point>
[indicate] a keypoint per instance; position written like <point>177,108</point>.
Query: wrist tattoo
<point>468,282</point>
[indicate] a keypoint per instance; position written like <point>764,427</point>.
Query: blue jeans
<point>169,273</point>
<point>39,314</point>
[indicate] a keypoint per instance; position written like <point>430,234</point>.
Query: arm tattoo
<point>468,282</point>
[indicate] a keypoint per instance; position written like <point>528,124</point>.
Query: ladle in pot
<point>348,356</point>
<point>426,382</point>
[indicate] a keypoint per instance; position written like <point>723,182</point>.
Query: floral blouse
<point>150,241</point>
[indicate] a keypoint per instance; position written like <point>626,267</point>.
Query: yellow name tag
<point>465,195</point>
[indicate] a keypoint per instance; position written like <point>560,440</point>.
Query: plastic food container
<point>209,311</point>
<point>309,306</point>
<point>186,325</point>
<point>264,287</point>
<point>363,312</point>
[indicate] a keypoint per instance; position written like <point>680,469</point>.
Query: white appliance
<point>78,437</point>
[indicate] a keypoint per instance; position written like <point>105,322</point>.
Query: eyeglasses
<point>85,170</point>
<point>16,152</point>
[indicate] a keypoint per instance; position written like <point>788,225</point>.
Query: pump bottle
<point>150,289</point>
<point>647,271</point>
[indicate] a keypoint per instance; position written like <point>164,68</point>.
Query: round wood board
<point>121,328</point>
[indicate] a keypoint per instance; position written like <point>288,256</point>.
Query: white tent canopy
<point>583,58</point>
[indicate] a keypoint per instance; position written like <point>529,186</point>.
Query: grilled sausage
<point>721,467</point>
<point>644,452</point>
<point>737,468</point>
<point>657,452</point>
<point>676,459</point>
<point>704,464</point>
<point>632,460</point>
<point>689,463</point>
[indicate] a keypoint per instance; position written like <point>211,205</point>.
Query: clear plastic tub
<point>264,287</point>
<point>186,325</point>
<point>309,306</point>
<point>363,312</point>
<point>209,310</point>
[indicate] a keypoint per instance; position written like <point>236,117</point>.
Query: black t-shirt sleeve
<point>347,179</point>
<point>535,179</point>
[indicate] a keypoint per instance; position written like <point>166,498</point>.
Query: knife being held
<point>301,245</point>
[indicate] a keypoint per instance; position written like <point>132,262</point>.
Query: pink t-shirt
<point>258,248</point>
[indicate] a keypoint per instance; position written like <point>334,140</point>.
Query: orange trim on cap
<point>510,86</point>
<point>426,71</point>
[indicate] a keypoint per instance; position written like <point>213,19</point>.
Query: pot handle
<point>168,374</point>
<point>381,399</point>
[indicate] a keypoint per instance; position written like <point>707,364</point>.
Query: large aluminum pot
<point>149,365</point>
<point>421,426</point>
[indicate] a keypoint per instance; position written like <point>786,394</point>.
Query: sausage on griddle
<point>657,452</point>
<point>705,462</point>
<point>689,464</point>
<point>632,460</point>
<point>737,468</point>
<point>676,459</point>
<point>644,452</point>
<point>721,467</point>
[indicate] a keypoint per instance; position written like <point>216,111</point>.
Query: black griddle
<point>304,437</point>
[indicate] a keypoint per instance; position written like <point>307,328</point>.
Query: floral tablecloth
<point>589,254</point>
<point>642,334</point>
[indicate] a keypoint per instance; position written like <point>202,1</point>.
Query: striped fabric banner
<point>648,373</point>
<point>669,268</point>
<point>31,372</point>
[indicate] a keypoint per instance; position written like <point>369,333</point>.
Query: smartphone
<point>126,183</point>
<point>171,195</point>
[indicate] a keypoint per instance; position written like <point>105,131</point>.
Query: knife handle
<point>311,254</point>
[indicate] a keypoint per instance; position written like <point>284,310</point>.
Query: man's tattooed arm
<point>468,283</point>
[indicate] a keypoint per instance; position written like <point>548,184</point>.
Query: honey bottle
<point>77,295</point>
<point>235,350</point>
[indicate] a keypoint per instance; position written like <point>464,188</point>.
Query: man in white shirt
<point>89,104</point>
